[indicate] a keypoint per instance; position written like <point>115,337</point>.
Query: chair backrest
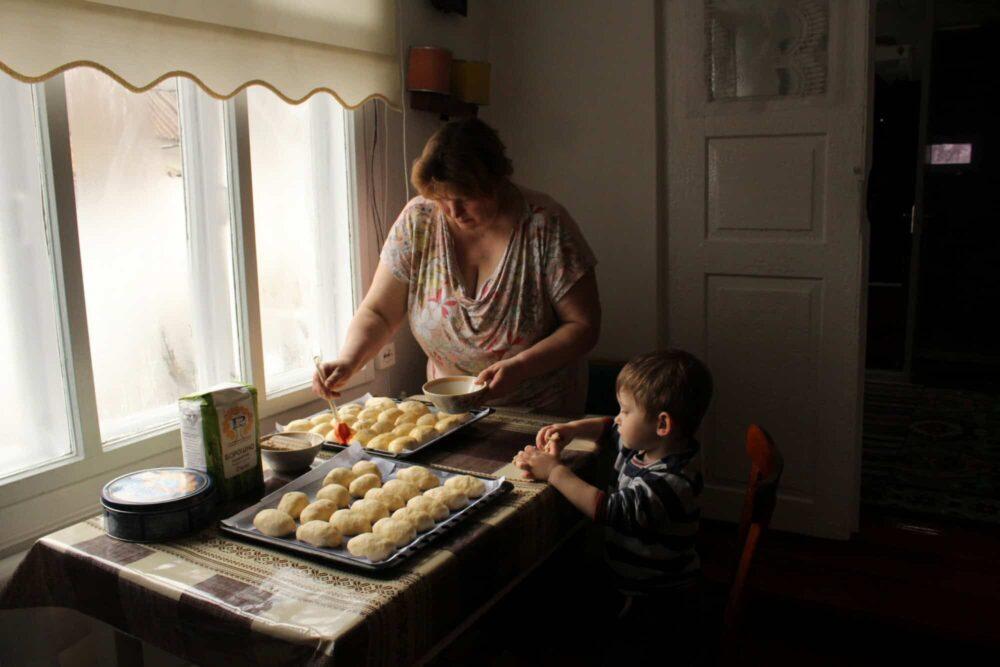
<point>766,465</point>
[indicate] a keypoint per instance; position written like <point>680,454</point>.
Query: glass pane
<point>300,221</point>
<point>143,266</point>
<point>32,386</point>
<point>766,49</point>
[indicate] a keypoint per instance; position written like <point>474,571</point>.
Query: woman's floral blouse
<point>515,308</point>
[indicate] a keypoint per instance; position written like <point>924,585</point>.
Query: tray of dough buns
<point>362,511</point>
<point>384,426</point>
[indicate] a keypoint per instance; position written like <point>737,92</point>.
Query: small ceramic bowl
<point>455,393</point>
<point>291,460</point>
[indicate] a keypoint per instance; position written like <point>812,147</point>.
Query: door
<point>766,123</point>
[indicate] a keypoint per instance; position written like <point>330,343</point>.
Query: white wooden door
<point>766,137</point>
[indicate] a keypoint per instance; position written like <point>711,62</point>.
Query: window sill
<point>62,497</point>
<point>76,469</point>
<point>37,504</point>
<point>127,452</point>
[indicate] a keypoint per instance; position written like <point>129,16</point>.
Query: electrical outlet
<point>386,357</point>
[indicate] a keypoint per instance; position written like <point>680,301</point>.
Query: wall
<point>574,98</point>
<point>466,37</point>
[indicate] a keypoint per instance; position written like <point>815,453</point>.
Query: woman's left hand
<point>502,377</point>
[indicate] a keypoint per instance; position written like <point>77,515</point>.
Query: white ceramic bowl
<point>292,460</point>
<point>455,393</point>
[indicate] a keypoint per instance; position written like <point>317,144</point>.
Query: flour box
<point>220,434</point>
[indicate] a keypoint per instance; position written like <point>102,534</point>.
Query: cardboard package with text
<point>220,433</point>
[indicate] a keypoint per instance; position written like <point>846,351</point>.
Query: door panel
<point>784,201</point>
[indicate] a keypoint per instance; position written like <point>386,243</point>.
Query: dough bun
<point>274,523</point>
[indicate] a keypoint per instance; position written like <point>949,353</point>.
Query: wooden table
<point>212,599</point>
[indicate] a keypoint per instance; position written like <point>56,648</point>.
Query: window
<point>154,225</point>
<point>301,221</point>
<point>32,385</point>
<point>125,272</point>
<point>764,49</point>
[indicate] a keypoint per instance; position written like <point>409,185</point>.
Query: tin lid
<point>156,489</point>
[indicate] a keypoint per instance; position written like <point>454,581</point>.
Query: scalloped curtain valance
<point>346,48</point>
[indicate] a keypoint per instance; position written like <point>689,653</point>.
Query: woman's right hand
<point>553,438</point>
<point>335,374</point>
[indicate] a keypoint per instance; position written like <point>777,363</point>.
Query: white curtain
<point>347,48</point>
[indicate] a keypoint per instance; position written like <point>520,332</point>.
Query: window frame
<point>90,461</point>
<point>246,269</point>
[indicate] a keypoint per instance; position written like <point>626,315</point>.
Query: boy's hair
<point>671,381</point>
<point>463,158</point>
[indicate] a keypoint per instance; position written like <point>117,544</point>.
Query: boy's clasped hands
<point>539,460</point>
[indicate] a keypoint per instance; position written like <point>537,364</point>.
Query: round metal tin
<point>158,504</point>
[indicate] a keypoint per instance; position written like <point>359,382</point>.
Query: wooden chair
<point>766,465</point>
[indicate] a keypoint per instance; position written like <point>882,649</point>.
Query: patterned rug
<point>932,451</point>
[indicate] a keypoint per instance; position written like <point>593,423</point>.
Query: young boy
<point>650,510</point>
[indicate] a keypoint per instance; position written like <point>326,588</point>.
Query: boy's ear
<point>663,424</point>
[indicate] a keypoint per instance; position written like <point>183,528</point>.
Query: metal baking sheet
<point>476,416</point>
<point>241,524</point>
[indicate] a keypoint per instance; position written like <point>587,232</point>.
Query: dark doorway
<point>957,331</point>
<point>933,193</point>
<point>931,449</point>
<point>892,190</point>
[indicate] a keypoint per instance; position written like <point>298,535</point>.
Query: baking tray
<point>336,446</point>
<point>241,524</point>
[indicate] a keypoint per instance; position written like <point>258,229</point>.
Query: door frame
<point>917,220</point>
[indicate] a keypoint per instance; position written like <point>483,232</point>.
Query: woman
<point>496,280</point>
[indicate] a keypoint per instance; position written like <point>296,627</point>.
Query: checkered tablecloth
<point>212,599</point>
